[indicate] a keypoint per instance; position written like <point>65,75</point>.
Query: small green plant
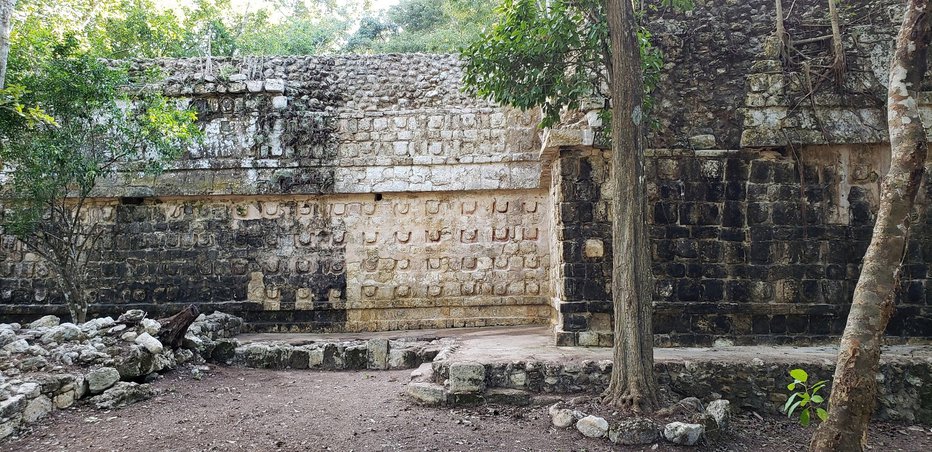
<point>805,398</point>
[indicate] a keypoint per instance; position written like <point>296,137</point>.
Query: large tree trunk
<point>6,25</point>
<point>854,387</point>
<point>632,384</point>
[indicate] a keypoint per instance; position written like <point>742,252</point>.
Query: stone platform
<point>521,364</point>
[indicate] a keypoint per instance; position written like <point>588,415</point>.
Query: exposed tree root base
<point>630,401</point>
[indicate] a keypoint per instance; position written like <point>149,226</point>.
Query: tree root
<point>630,401</point>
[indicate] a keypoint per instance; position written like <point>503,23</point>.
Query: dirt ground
<point>234,409</point>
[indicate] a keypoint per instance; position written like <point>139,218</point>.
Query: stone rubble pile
<point>48,364</point>
<point>701,424</point>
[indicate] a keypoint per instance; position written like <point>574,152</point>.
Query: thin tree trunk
<point>854,388</point>
<point>839,67</point>
<point>782,34</point>
<point>632,383</point>
<point>6,26</point>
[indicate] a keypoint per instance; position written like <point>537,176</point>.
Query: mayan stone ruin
<point>366,193</point>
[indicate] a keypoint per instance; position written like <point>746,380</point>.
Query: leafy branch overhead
<point>554,57</point>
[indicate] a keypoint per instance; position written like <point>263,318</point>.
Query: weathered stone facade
<point>354,193</point>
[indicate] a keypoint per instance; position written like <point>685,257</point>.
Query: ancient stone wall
<point>330,194</point>
<point>369,192</point>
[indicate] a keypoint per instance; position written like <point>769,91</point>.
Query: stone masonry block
<point>467,377</point>
<point>378,353</point>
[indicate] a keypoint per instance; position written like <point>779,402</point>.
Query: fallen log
<point>174,328</point>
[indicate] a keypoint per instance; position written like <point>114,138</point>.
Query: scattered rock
<point>129,336</point>
<point>562,418</point>
<point>682,433</point>
<point>151,326</point>
<point>9,427</point>
<point>61,333</point>
<point>30,390</point>
<point>101,379</point>
<point>65,399</point>
<point>122,394</point>
<point>17,346</point>
<point>197,372</point>
<point>132,317</point>
<point>36,409</point>
<point>6,336</point>
<point>592,426</point>
<point>423,374</point>
<point>12,406</point>
<point>150,343</point>
<point>720,410</point>
<point>116,329</point>
<point>98,324</point>
<point>33,363</point>
<point>636,431</point>
<point>48,321</point>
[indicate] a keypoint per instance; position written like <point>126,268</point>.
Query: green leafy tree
<point>427,26</point>
<point>371,33</point>
<point>52,167</point>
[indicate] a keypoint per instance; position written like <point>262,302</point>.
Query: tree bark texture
<point>6,26</point>
<point>781,33</point>
<point>854,388</point>
<point>632,383</point>
<point>839,67</point>
<point>174,328</point>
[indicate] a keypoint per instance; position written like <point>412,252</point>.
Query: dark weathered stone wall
<point>719,70</point>
<point>583,229</point>
<point>748,247</point>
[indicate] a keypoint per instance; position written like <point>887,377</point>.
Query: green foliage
<point>122,29</point>
<point>551,57</point>
<point>805,398</point>
<point>372,30</point>
<point>92,126</point>
<point>295,36</point>
<point>430,26</point>
<point>417,15</point>
<point>532,56</point>
<point>11,105</point>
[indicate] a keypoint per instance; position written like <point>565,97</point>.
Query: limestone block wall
<point>323,263</point>
<point>340,124</point>
<point>341,193</point>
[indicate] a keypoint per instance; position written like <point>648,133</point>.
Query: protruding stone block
<point>427,393</point>
<point>467,377</point>
<point>275,85</point>
<point>378,353</point>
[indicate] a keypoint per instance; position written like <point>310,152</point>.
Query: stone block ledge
<point>525,369</point>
